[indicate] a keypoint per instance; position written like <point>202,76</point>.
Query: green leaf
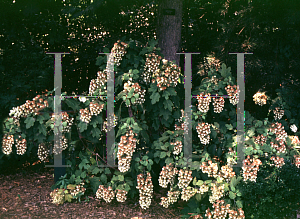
<point>121,177</point>
<point>42,129</point>
<point>154,98</point>
<point>103,178</point>
<point>258,123</point>
<point>96,133</point>
<point>199,183</point>
<point>239,204</point>
<point>232,195</point>
<point>83,175</point>
<point>130,93</point>
<point>169,160</point>
<point>198,197</point>
<point>107,171</point>
<point>229,126</point>
<point>95,171</point>
<point>163,154</point>
<point>29,122</point>
<point>40,119</point>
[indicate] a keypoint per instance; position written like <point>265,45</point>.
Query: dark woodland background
<point>30,28</point>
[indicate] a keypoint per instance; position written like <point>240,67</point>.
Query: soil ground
<point>26,194</point>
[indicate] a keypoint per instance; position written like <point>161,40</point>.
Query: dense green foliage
<point>155,150</point>
<point>275,193</point>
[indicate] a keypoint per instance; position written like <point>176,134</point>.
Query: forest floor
<point>27,195</point>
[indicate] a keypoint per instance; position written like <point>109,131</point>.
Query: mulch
<point>26,194</point>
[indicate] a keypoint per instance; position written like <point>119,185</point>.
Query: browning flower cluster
<point>203,130</point>
<point>278,161</point>
<point>218,104</point>
<point>260,98</point>
<point>222,211</point>
<point>126,147</point>
<point>203,102</point>
<point>121,195</point>
<point>107,194</point>
<point>233,93</point>
<point>166,175</point>
<point>151,66</point>
<point>167,76</point>
<point>250,168</point>
<point>184,178</point>
<point>145,188</point>
<point>278,113</point>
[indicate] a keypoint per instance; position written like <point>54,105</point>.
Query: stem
<point>130,113</point>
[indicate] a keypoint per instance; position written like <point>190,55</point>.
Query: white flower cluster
<point>169,74</point>
<point>85,115</point>
<point>106,193</point>
<point>278,113</point>
<point>33,106</point>
<point>112,122</point>
<point>250,168</point>
<point>95,108</point>
<point>7,143</point>
<point>119,50</point>
<point>126,147</point>
<point>57,149</point>
<point>260,98</point>
<point>137,90</point>
<point>188,193</point>
<point>233,93</point>
<point>58,196</point>
<point>231,157</point>
<point>226,173</point>
<point>98,83</point>
<point>211,169</point>
<point>294,139</point>
<point>64,118</point>
<point>121,195</point>
<point>171,199</point>
<point>278,161</point>
<point>297,160</point>
<point>261,139</point>
<point>218,104</point>
<point>217,192</point>
<point>281,148</point>
<point>151,66</point>
<point>203,188</point>
<point>145,188</point>
<point>79,188</point>
<point>203,130</point>
<point>184,178</point>
<point>203,102</point>
<point>166,175</point>
<point>177,148</point>
<point>294,128</point>
<point>221,211</point>
<point>21,145</point>
<point>279,131</point>
<point>43,151</point>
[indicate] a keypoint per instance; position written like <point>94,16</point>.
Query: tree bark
<point>168,30</point>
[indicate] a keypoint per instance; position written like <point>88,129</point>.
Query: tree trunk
<point>168,30</point>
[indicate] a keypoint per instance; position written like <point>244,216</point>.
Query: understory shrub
<point>275,194</point>
<point>149,122</point>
